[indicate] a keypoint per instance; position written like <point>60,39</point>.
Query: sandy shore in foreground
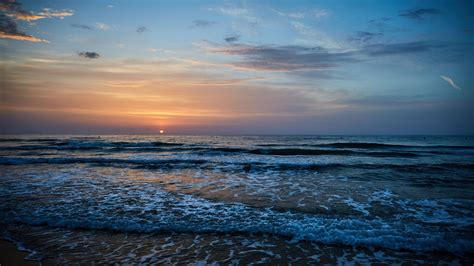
<point>10,255</point>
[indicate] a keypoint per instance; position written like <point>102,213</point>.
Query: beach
<point>12,256</point>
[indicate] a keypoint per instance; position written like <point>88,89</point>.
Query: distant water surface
<point>239,199</point>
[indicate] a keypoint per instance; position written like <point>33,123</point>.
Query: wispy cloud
<point>295,15</point>
<point>202,23</point>
<point>399,48</point>
<point>242,13</point>
<point>50,13</point>
<point>141,29</point>
<point>219,82</point>
<point>81,26</point>
<point>315,37</point>
<point>365,36</point>
<point>315,59</point>
<point>419,13</point>
<point>319,13</point>
<point>89,55</point>
<point>134,84</point>
<point>315,14</point>
<point>450,81</point>
<point>9,30</point>
<point>379,24</point>
<point>283,58</point>
<point>231,11</point>
<point>102,26</point>
<point>159,50</point>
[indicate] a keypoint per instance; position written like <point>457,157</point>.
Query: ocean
<point>239,199</point>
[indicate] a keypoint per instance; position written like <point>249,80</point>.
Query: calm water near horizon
<point>239,199</point>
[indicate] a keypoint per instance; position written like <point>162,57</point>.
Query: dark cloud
<point>285,58</point>
<point>141,29</point>
<point>365,36</point>
<point>8,25</point>
<point>9,30</point>
<point>80,26</point>
<point>377,21</point>
<point>399,48</point>
<point>307,60</point>
<point>10,5</point>
<point>89,55</point>
<point>419,13</point>
<point>203,23</point>
<point>232,38</point>
<point>14,8</point>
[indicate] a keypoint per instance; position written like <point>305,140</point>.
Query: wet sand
<point>10,255</point>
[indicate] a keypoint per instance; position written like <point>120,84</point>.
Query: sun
<point>162,131</point>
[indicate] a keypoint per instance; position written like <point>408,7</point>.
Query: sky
<point>236,67</point>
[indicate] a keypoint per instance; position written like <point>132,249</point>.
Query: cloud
<point>80,26</point>
<point>202,23</point>
<point>15,10</point>
<point>295,15</point>
<point>450,81</point>
<point>9,30</point>
<point>102,26</point>
<point>399,48</point>
<point>141,29</point>
<point>419,13</point>
<point>315,59</point>
<point>241,13</point>
<point>380,24</point>
<point>49,13</point>
<point>316,13</point>
<point>283,58</point>
<point>231,11</point>
<point>233,38</point>
<point>319,13</point>
<point>315,37</point>
<point>89,55</point>
<point>365,36</point>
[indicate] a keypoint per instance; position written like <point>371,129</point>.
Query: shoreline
<point>11,255</point>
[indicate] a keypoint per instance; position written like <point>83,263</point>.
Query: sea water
<point>239,199</point>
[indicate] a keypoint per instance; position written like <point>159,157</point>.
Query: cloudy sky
<point>237,67</point>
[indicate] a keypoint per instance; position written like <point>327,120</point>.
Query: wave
<point>283,152</point>
<point>173,213</point>
<point>369,145</point>
<point>362,145</point>
<point>91,160</point>
<point>29,140</point>
<point>330,149</point>
<point>91,145</point>
<point>178,147</point>
<point>247,166</point>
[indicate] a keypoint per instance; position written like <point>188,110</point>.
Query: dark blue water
<point>242,199</point>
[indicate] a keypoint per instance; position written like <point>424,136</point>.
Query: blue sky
<point>237,67</point>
